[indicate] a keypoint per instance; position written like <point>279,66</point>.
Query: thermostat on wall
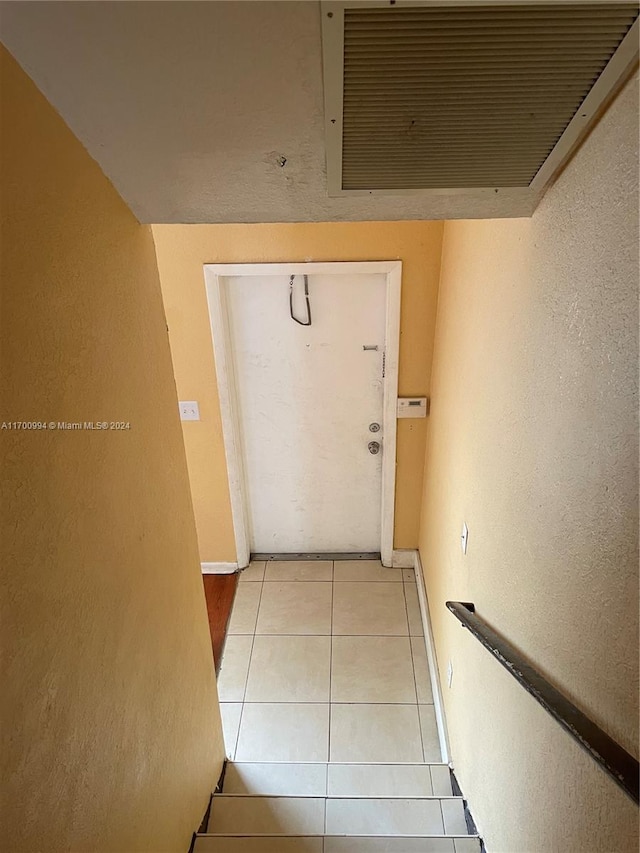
<point>412,407</point>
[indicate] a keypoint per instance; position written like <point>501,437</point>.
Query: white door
<point>306,396</point>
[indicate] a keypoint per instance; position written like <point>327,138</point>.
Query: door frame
<point>214,275</point>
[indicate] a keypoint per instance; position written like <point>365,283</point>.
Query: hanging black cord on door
<point>306,296</point>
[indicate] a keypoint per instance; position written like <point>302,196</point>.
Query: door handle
<point>374,447</point>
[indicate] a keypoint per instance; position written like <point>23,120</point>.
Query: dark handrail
<point>618,763</point>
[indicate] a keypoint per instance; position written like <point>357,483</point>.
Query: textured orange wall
<point>111,730</point>
<point>533,442</point>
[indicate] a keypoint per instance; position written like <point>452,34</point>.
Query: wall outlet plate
<point>189,410</point>
<point>464,538</point>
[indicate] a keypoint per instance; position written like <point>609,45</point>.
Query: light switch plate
<point>189,410</point>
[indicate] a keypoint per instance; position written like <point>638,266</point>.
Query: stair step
<point>388,780</point>
<point>322,779</point>
<point>334,844</point>
<point>259,815</point>
<point>291,780</point>
<point>394,817</point>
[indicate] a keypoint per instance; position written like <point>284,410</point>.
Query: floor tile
<point>379,662</point>
<point>284,732</point>
<point>225,844</point>
<point>267,815</point>
<point>375,733</point>
<point>453,815</point>
<point>285,780</point>
<point>302,570</point>
<point>372,669</point>
<point>379,780</point>
<point>441,780</point>
<point>245,609</point>
<point>421,670</point>
<point>289,669</point>
<point>230,713</point>
<point>364,570</point>
<point>235,666</point>
<point>384,845</point>
<point>413,610</point>
<point>253,572</point>
<point>375,608</point>
<point>429,728</point>
<point>290,607</point>
<point>384,817</point>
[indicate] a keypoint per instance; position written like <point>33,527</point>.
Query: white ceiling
<point>191,107</point>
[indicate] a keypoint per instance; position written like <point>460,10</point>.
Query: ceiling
<point>206,111</point>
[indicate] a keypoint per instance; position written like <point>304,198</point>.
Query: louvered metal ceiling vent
<point>435,96</point>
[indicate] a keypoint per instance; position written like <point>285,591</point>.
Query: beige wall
<point>183,249</point>
<point>111,733</point>
<point>533,442</point>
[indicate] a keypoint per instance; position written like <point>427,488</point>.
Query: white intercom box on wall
<point>412,407</point>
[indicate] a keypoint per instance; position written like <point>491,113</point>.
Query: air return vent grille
<point>464,96</point>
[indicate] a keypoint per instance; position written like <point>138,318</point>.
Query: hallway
<point>328,716</point>
<point>144,145</point>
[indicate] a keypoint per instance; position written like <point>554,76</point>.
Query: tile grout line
<point>444,828</point>
<point>415,683</point>
<point>298,702</point>
<point>333,580</point>
<point>406,604</point>
<point>253,640</point>
<point>315,634</point>
<point>363,763</point>
<point>405,597</point>
<point>413,663</point>
<point>381,636</point>
<point>413,637</point>
<point>430,704</point>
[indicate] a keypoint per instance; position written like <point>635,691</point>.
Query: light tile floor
<point>326,662</point>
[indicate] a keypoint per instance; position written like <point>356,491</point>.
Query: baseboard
<point>218,568</point>
<point>403,558</point>
<point>433,662</point>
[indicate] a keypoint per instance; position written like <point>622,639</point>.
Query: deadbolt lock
<point>374,447</point>
<point>374,427</point>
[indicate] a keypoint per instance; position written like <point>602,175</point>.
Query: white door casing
<point>321,413</point>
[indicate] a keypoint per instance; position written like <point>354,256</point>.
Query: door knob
<point>374,427</point>
<point>374,447</point>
